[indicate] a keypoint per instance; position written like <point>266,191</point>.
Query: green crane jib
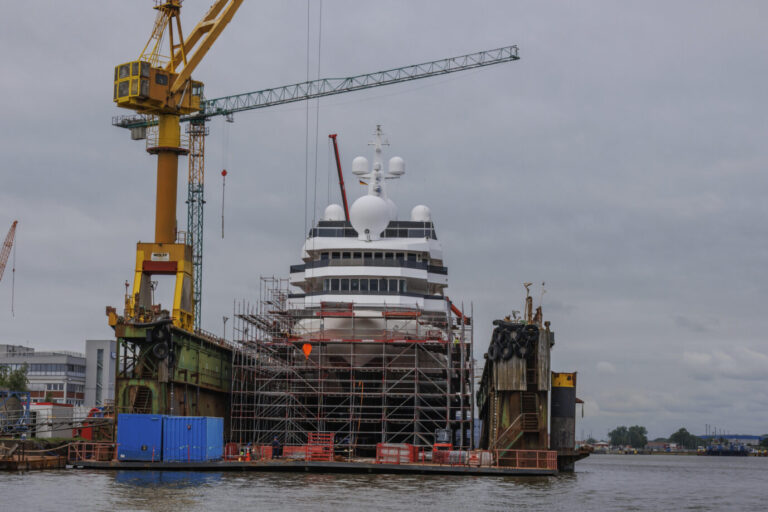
<point>228,105</point>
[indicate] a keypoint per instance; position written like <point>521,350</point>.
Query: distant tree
<point>637,436</point>
<point>15,380</point>
<point>619,436</point>
<point>685,439</point>
<point>764,442</point>
<point>591,440</point>
<point>661,440</point>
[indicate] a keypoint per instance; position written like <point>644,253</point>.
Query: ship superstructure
<point>367,346</point>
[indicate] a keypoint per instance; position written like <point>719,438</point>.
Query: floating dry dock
<point>318,467</point>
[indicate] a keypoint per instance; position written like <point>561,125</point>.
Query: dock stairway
<point>142,402</point>
<point>530,410</point>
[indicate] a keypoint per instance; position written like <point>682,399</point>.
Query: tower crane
<point>161,87</point>
<point>7,245</point>
<point>141,124</point>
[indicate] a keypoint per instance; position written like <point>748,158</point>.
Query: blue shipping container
<point>192,438</point>
<point>139,437</point>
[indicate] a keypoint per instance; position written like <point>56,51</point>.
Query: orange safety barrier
<point>320,446</point>
<point>396,454</point>
<point>526,459</point>
<point>78,452</point>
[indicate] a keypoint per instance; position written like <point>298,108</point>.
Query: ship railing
<point>526,459</point>
<point>83,451</point>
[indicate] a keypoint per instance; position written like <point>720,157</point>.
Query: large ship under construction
<point>360,350</point>
<point>370,349</point>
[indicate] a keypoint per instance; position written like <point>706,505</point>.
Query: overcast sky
<point>622,160</point>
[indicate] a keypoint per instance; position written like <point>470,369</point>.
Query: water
<point>602,482</point>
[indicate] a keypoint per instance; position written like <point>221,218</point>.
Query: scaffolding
<point>366,374</point>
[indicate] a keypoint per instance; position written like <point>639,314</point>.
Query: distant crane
<point>228,105</point>
<point>7,246</point>
<point>4,253</point>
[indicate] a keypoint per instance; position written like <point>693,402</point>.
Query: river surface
<point>601,482</point>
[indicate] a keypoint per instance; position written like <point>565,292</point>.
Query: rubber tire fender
<point>493,352</point>
<point>161,350</point>
<point>508,348</point>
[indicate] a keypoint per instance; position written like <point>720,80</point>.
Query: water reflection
<point>174,479</point>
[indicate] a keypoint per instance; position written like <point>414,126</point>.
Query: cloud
<point>605,367</point>
<point>694,325</point>
<point>740,363</point>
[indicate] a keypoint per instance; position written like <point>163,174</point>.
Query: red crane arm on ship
<point>458,312</point>
<point>341,177</point>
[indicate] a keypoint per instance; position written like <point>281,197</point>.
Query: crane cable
<point>13,281</point>
<point>317,106</point>
<point>306,136</point>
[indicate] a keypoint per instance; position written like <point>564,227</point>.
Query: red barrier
<point>396,453</point>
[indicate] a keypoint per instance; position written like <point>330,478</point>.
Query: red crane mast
<point>341,177</point>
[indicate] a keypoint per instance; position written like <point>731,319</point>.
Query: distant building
<point>100,371</point>
<point>58,375</point>
<point>746,440</point>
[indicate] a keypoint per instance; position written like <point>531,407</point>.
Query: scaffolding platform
<point>361,374</point>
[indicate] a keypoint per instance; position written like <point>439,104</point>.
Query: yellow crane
<point>161,85</point>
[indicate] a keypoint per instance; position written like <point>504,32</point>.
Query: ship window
<point>374,285</point>
<point>393,285</point>
<point>411,257</point>
<point>400,256</point>
<point>382,285</point>
<point>323,256</point>
<point>363,285</point>
<point>377,255</point>
<point>354,285</point>
<point>334,285</point>
<point>326,284</point>
<point>402,285</point>
<point>357,255</point>
<point>418,257</point>
<point>368,255</point>
<point>335,255</point>
<point>346,255</point>
<point>345,285</point>
<point>388,255</point>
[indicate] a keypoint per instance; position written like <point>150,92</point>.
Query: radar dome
<point>360,166</point>
<point>334,212</point>
<point>369,216</point>
<point>396,166</point>
<point>421,213</point>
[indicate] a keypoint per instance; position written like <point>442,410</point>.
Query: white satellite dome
<point>369,216</point>
<point>392,209</point>
<point>396,166</point>
<point>334,212</point>
<point>360,166</point>
<point>421,213</point>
